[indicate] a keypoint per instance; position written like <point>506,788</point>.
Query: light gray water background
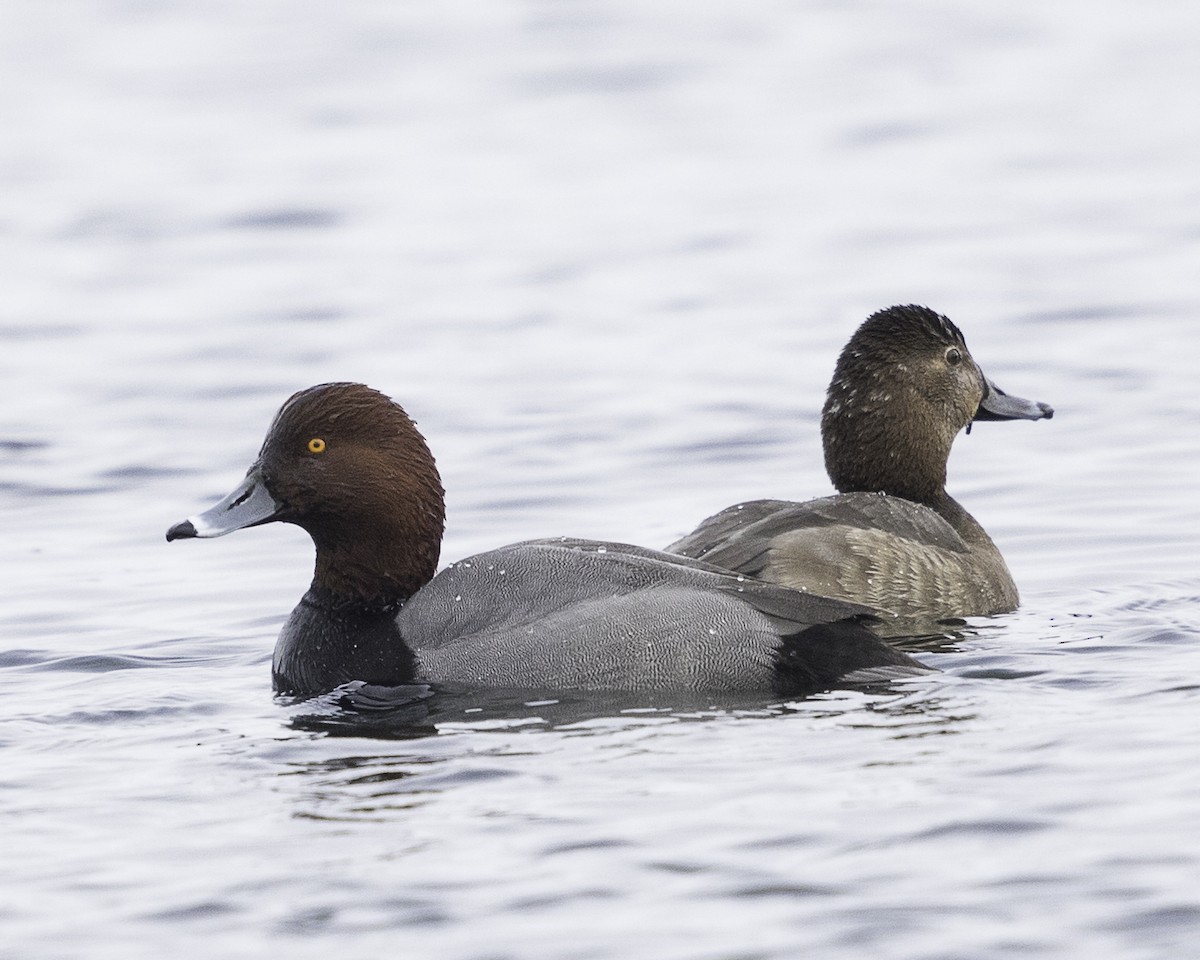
<point>606,253</point>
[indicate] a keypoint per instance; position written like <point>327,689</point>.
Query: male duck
<point>894,539</point>
<point>346,464</point>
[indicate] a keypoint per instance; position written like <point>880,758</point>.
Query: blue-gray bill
<point>247,506</point>
<point>998,405</point>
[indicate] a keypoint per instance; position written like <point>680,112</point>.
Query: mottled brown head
<point>903,388</point>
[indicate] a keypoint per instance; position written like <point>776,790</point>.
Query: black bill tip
<point>184,530</point>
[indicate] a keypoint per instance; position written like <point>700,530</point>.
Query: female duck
<point>894,539</point>
<point>346,464</point>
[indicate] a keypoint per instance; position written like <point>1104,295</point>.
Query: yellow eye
<point>316,445</point>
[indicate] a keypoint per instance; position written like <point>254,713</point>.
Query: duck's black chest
<point>326,643</point>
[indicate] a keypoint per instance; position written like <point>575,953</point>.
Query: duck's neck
<point>372,553</point>
<point>869,449</point>
<point>380,570</point>
<point>880,466</point>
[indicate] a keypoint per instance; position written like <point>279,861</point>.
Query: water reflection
<point>420,710</point>
<point>417,711</point>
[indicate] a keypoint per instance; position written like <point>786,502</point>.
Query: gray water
<point>605,252</point>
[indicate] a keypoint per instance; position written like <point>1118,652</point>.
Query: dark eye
<point>954,356</point>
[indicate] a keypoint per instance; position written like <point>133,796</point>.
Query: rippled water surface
<point>605,252</point>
